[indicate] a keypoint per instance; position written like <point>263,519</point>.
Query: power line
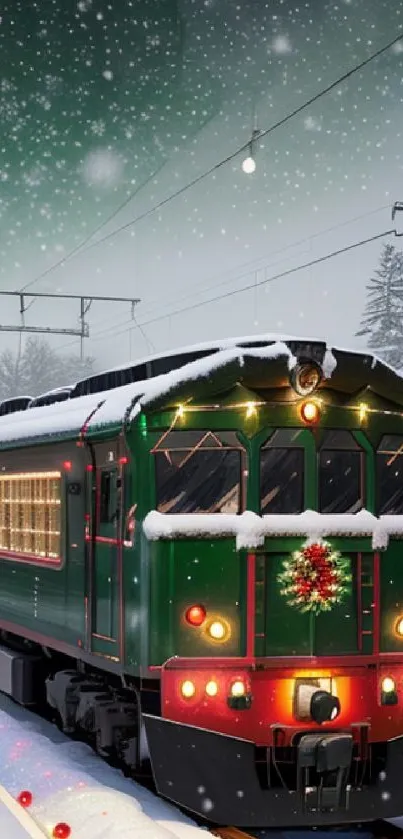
<point>253,286</point>
<point>81,247</point>
<point>96,230</point>
<point>199,178</point>
<point>305,240</point>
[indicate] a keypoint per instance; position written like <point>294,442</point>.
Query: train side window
<point>199,472</point>
<point>108,498</point>
<point>282,473</point>
<point>341,473</point>
<point>389,475</point>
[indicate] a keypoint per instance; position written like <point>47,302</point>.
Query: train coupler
<point>323,766</point>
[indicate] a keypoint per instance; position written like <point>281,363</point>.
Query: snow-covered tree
<point>382,319</point>
<point>38,369</point>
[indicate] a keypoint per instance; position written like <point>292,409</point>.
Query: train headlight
<point>388,684</point>
<point>399,627</point>
<point>211,688</point>
<point>218,630</point>
<point>238,688</point>
<point>388,691</point>
<point>310,412</point>
<point>188,689</point>
<point>239,699</point>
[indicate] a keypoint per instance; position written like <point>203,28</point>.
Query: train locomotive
<point>201,568</point>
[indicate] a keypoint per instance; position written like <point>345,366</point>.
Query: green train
<point>201,570</point>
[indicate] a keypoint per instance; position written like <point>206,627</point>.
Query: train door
<point>106,561</point>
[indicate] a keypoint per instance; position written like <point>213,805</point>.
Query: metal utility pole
<point>85,302</point>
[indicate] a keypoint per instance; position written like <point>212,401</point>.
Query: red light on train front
<point>195,615</point>
<point>310,412</point>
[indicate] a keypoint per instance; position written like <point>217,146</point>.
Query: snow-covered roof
<point>101,409</point>
<point>351,372</point>
<point>214,346</point>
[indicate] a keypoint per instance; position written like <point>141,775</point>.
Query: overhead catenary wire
<point>250,286</point>
<point>305,240</point>
<point>85,246</point>
<point>93,233</point>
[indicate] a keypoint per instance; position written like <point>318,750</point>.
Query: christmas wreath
<point>315,579</point>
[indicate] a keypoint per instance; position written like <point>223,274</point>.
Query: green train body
<point>151,541</point>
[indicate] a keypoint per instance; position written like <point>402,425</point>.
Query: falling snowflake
<point>108,75</point>
<point>98,127</point>
<point>9,110</point>
<point>6,86</point>
<point>281,45</point>
<point>52,83</point>
<point>102,168</point>
<point>43,101</point>
<point>84,5</point>
<point>312,124</point>
<point>34,176</point>
<point>153,40</point>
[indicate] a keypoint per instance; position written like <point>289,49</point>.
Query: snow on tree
<point>382,319</point>
<point>39,369</point>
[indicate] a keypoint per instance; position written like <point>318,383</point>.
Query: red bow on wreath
<point>315,579</point>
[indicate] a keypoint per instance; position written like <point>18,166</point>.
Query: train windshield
<point>199,472</point>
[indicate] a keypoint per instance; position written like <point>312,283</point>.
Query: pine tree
<point>39,369</point>
<point>383,315</point>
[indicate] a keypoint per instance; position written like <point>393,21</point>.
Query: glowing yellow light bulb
<point>238,688</point>
<point>217,630</point>
<point>212,688</point>
<point>250,410</point>
<point>388,684</point>
<point>363,410</point>
<point>188,689</point>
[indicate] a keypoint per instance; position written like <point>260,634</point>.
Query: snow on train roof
<point>217,346</point>
<point>103,408</point>
<point>100,409</point>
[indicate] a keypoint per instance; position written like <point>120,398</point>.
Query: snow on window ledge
<point>250,530</point>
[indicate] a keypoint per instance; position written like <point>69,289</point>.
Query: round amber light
<point>188,689</point>
<point>310,412</point>
<point>238,688</point>
<point>399,626</point>
<point>212,688</point>
<point>218,631</point>
<point>388,684</point>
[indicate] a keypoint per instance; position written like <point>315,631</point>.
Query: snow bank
<point>70,784</point>
<point>251,530</point>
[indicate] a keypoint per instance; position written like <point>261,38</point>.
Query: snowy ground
<point>70,784</point>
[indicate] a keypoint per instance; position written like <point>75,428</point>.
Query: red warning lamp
<point>195,615</point>
<point>310,412</point>
<point>62,831</point>
<point>25,798</point>
<point>67,465</point>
